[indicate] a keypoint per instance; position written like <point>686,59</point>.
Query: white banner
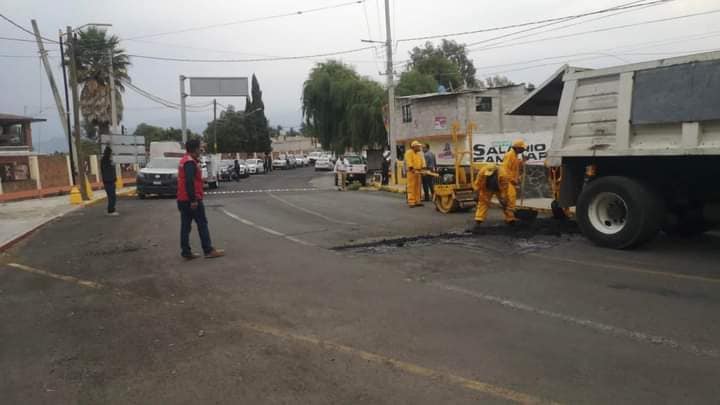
<point>491,148</point>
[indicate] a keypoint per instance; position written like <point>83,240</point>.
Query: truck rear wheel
<point>619,212</point>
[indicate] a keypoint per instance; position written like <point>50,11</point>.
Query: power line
<point>21,40</point>
<point>19,56</point>
<point>25,29</point>
<point>162,101</point>
<point>273,59</point>
<point>599,30</point>
<point>641,7</point>
<point>249,20</point>
<point>624,6</point>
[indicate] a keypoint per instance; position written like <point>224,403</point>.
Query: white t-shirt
<point>340,166</point>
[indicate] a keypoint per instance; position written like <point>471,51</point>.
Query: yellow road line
<point>410,368</point>
<point>69,279</point>
<point>622,267</point>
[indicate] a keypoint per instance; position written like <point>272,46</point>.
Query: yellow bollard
<point>88,189</point>
<point>75,196</point>
<point>119,183</point>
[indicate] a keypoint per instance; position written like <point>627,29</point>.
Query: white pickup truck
<point>638,146</point>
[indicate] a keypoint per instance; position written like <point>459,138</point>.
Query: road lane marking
<point>270,190</point>
<point>311,212</point>
<point>69,279</point>
<point>407,367</point>
<point>266,229</point>
<point>598,326</point>
<point>622,267</point>
<point>378,359</point>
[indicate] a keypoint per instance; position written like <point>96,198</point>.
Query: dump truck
<point>637,146</point>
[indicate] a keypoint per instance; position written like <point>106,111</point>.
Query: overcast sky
<point>24,88</point>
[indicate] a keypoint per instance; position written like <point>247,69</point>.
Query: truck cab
<point>637,146</point>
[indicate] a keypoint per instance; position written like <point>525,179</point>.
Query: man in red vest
<point>189,201</point>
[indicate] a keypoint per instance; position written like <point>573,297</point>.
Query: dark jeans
<point>111,196</point>
<point>187,215</point>
<point>427,183</point>
<point>385,176</point>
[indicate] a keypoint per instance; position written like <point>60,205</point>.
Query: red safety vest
<point>182,194</point>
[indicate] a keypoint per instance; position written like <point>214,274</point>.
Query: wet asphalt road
<point>329,297</point>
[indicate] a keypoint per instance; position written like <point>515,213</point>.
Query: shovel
<point>524,214</point>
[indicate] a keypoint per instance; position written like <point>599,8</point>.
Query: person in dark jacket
<point>236,169</point>
<point>431,164</point>
<point>109,176</point>
<point>190,203</point>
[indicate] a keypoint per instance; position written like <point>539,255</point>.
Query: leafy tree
<point>256,121</point>
<point>232,133</point>
<point>498,81</point>
<point>448,64</point>
<point>414,82</point>
<point>93,72</point>
<point>341,109</point>
<point>158,134</point>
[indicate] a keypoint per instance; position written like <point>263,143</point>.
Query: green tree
<point>341,109</point>
<point>414,82</point>
<point>448,64</point>
<point>93,71</point>
<point>257,122</point>
<point>158,134</point>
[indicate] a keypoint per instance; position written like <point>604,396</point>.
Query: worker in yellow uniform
<point>487,184</point>
<point>509,178</point>
<point>415,162</point>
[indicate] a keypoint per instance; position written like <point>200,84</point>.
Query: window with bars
<point>407,113</point>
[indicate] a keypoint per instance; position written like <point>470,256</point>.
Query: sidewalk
<point>21,218</point>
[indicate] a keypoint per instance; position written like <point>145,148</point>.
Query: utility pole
<point>183,114</point>
<point>82,180</point>
<point>68,128</point>
<point>113,106</point>
<point>391,92</point>
<point>51,78</point>
<point>215,125</point>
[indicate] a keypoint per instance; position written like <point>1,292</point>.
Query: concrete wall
<point>294,144</point>
<point>460,107</point>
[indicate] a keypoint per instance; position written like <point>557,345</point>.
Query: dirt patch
<point>541,226</point>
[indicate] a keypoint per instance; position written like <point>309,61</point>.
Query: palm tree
<point>93,73</point>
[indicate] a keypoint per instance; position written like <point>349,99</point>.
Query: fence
<point>23,177</point>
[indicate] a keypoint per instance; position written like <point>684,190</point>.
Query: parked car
<point>159,177</point>
<point>313,156</point>
<point>299,161</point>
<point>281,162</point>
<point>324,163</point>
<point>227,170</point>
<point>292,162</point>
<point>306,161</point>
<point>356,169</point>
<point>255,166</point>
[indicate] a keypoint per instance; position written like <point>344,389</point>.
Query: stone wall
<point>53,171</point>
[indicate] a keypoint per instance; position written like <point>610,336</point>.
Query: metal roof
<point>545,99</point>
<point>455,93</point>
<point>7,119</point>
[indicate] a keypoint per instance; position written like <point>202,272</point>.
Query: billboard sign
<point>491,148</point>
<point>219,86</point>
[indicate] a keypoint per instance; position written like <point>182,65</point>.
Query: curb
<point>5,245</point>
<point>18,238</point>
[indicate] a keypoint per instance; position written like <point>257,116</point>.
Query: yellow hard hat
<point>519,143</point>
<point>415,143</point>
